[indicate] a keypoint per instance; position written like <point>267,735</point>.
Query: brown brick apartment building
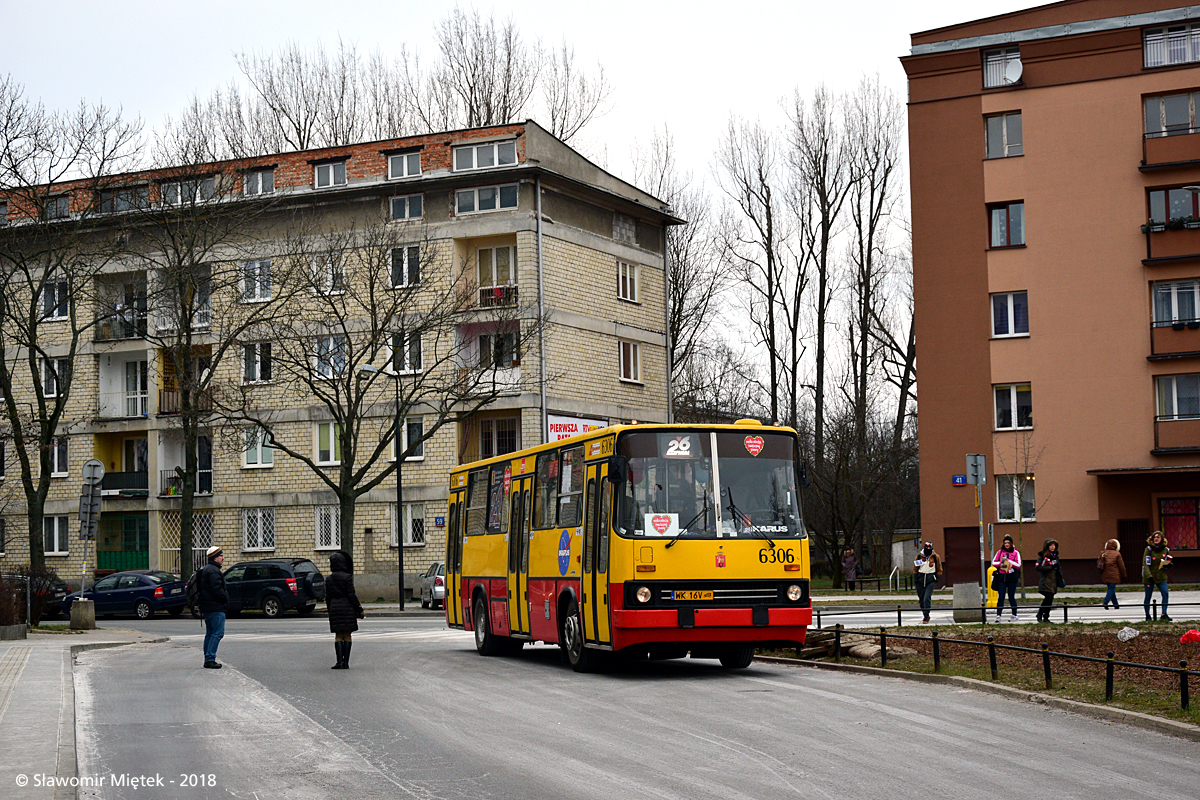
<point>534,225</point>
<point>1055,158</point>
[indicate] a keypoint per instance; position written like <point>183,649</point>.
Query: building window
<point>497,268</point>
<point>1180,521</point>
<point>485,198</point>
<point>197,190</point>
<point>259,181</point>
<point>414,429</point>
<point>631,363</point>
<point>256,280</point>
<point>1014,406</point>
<point>999,69</point>
<point>329,273</point>
<point>258,528</point>
<point>627,281</point>
<point>406,266</point>
<point>404,165</point>
<point>1004,135</point>
<point>499,350</point>
<point>1178,396</point>
<point>1008,224</point>
<point>256,362</point>
<point>3,214</point>
<point>406,352</point>
<point>56,538</point>
<point>329,360</point>
<point>329,527</point>
<point>329,443</point>
<point>1010,314</point>
<point>59,446</point>
<point>332,174</point>
<point>1015,492</point>
<point>499,435</point>
<point>56,300</point>
<point>485,156</point>
<point>3,533</point>
<point>1177,44</point>
<point>1177,205</point>
<point>2,459</point>
<point>407,206</point>
<point>116,200</point>
<point>56,372</point>
<point>413,523</point>
<point>258,451</point>
<point>56,207</point>
<point>1170,115</point>
<point>1176,301</point>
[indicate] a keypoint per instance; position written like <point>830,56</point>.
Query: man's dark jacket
<point>213,596</point>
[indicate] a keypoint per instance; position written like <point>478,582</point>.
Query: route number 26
<point>680,447</point>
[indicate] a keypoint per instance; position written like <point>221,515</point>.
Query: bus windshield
<point>676,488</point>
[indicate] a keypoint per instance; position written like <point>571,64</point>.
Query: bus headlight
<point>794,593</point>
<point>643,594</point>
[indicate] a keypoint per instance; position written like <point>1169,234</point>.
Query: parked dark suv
<point>275,585</point>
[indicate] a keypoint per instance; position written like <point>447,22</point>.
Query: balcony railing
<point>1177,147</point>
<point>124,405</point>
<point>1173,435</point>
<point>497,296</point>
<point>170,482</point>
<point>1174,241</point>
<point>1174,339</point>
<point>126,482</point>
<point>170,401</point>
<point>115,328</point>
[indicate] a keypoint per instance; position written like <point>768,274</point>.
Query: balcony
<point>130,326</point>
<point>1179,148</point>
<point>1174,241</point>
<point>1176,435</point>
<point>170,482</point>
<point>123,405</point>
<point>126,484</point>
<point>170,401</point>
<point>497,296</point>
<point>1175,340</point>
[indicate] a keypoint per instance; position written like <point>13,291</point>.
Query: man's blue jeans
<point>214,631</point>
<point>1162,589</point>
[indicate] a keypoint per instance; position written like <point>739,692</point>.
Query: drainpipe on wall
<point>541,314</point>
<point>667,323</point>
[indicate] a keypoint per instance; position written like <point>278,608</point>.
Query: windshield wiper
<point>703,513</point>
<point>738,516</point>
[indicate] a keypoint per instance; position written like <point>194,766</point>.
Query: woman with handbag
<point>1051,578</point>
<point>1112,571</point>
<point>1007,562</point>
<point>926,569</point>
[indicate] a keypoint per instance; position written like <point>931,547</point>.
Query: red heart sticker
<point>661,523</point>
<point>754,444</point>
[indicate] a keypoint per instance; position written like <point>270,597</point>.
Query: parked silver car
<point>433,586</point>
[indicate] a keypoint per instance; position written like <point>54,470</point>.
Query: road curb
<point>1183,730</point>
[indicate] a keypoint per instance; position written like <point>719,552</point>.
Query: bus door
<point>454,615</point>
<point>518,558</point>
<point>595,556</point>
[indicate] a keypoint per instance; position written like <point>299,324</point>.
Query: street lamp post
<point>365,371</point>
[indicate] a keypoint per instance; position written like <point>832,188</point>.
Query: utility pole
<point>977,477</point>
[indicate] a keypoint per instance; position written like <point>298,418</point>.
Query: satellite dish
<point>1012,73</point>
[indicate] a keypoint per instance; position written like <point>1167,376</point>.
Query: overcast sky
<point>684,65</point>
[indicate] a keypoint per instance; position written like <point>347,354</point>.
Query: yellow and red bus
<point>650,540</point>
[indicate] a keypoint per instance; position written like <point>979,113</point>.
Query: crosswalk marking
<point>429,636</point>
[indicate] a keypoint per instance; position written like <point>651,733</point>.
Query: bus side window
<point>454,540</point>
<point>588,549</point>
<point>602,551</point>
<point>545,491</point>
<point>570,499</point>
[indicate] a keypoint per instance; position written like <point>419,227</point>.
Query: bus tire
<point>737,657</point>
<point>485,640</point>
<point>579,657</point>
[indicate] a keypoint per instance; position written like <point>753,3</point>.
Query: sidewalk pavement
<point>1126,597</point>
<point>37,710</point>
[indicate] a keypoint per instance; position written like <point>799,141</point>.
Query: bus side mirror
<point>804,481</point>
<point>618,469</point>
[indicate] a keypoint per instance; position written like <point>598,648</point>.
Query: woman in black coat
<point>344,609</point>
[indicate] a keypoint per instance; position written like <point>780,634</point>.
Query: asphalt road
<point>420,714</point>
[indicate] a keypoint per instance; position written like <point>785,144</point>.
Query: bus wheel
<point>737,657</point>
<point>485,641</point>
<point>571,637</point>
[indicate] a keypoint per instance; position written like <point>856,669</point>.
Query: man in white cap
<point>213,602</point>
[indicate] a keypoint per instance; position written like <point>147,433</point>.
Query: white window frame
<point>413,512</point>
<point>627,282</point>
<point>256,356</point>
<point>419,455</point>
<point>1171,44</point>
<point>1013,333</point>
<point>200,190</point>
<point>995,66</point>
<point>258,523</point>
<point>1007,485</point>
<point>1013,390</point>
<point>331,356</point>
<point>405,202</point>
<point>329,274</point>
<point>258,453</point>
<point>629,357</point>
<point>494,150</point>
<point>61,534</point>
<point>256,281</point>
<point>406,254</point>
<point>1167,389</point>
<point>333,456</point>
<point>56,300</point>
<point>125,198</point>
<point>1008,149</point>
<point>53,370</point>
<point>330,518</point>
<point>1176,289</point>
<point>332,173</point>
<point>474,192</point>
<point>409,365</point>
<point>252,182</point>
<point>406,163</point>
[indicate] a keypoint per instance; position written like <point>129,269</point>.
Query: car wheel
<point>424,603</point>
<point>737,657</point>
<point>143,609</point>
<point>571,641</point>
<point>176,611</point>
<point>485,641</point>
<point>271,606</point>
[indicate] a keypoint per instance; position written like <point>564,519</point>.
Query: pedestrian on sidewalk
<point>1154,571</point>
<point>213,602</point>
<point>849,567</point>
<point>926,570</point>
<point>1007,562</point>
<point>344,609</point>
<point>1051,577</point>
<point>1112,571</point>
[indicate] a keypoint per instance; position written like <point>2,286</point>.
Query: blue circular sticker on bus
<point>564,552</point>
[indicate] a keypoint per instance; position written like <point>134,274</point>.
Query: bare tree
<point>53,169</point>
<point>1017,458</point>
<point>572,98</point>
